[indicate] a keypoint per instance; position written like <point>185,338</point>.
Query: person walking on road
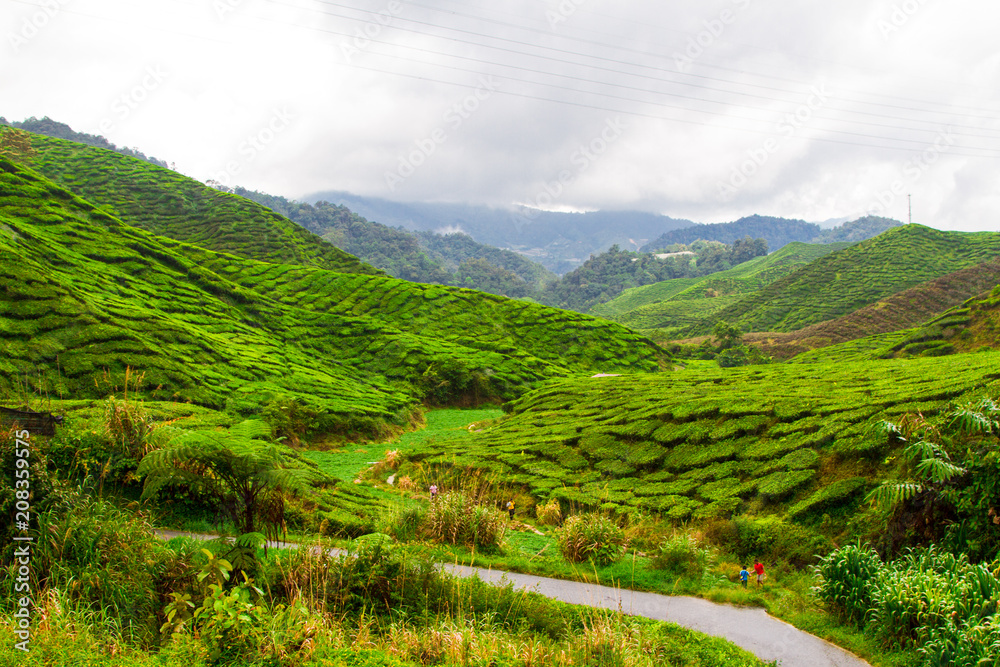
<point>759,569</point>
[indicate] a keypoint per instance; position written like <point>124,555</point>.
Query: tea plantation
<point>85,293</point>
<point>790,439</point>
<point>843,281</point>
<point>673,304</point>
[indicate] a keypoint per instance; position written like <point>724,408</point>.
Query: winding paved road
<point>748,627</point>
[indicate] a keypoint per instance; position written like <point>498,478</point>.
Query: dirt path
<point>748,627</point>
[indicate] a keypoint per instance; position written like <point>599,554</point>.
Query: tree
<point>247,477</point>
<point>727,335</point>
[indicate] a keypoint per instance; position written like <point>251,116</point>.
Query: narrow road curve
<point>750,628</point>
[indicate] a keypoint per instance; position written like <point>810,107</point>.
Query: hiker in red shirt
<point>759,569</point>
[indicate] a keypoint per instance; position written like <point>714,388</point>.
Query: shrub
<point>682,555</point>
<point>592,537</point>
<point>106,559</point>
<point>455,519</point>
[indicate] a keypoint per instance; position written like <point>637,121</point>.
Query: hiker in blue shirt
<point>744,575</point>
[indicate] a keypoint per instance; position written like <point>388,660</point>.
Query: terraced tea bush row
<point>844,281</point>
<point>168,204</point>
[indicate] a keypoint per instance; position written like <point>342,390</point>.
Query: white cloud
<point>892,91</point>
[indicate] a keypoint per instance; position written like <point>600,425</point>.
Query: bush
<point>592,537</point>
<point>455,519</point>
<point>769,539</point>
<point>933,600</point>
<point>682,555</point>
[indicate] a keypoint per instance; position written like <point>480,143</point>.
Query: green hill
<point>844,281</point>
<point>870,327</point>
<point>672,304</point>
<point>969,327</point>
<point>86,294</point>
<point>168,204</point>
<point>787,439</point>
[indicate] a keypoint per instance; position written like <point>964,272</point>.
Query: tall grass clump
<point>455,519</point>
<point>591,537</point>
<point>932,600</point>
<point>549,514</point>
<point>107,563</point>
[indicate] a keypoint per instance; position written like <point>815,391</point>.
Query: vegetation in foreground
<point>109,592</point>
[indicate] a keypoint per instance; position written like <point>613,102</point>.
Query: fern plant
<point>246,476</point>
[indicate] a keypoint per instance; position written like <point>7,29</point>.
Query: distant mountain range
<point>562,242</point>
<point>558,241</point>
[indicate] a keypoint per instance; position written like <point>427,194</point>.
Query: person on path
<point>510,508</point>
<point>744,575</point>
<point>759,569</point>
<point>434,491</point>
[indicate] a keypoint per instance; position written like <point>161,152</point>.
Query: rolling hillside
<point>168,204</point>
<point>671,304</point>
<point>86,294</point>
<point>901,311</point>
<point>847,280</point>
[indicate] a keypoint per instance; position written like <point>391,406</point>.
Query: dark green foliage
<point>244,476</point>
<point>603,277</point>
<point>777,232</point>
<point>932,600</point>
<point>857,230</point>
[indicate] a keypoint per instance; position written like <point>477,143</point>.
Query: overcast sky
<point>708,110</point>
